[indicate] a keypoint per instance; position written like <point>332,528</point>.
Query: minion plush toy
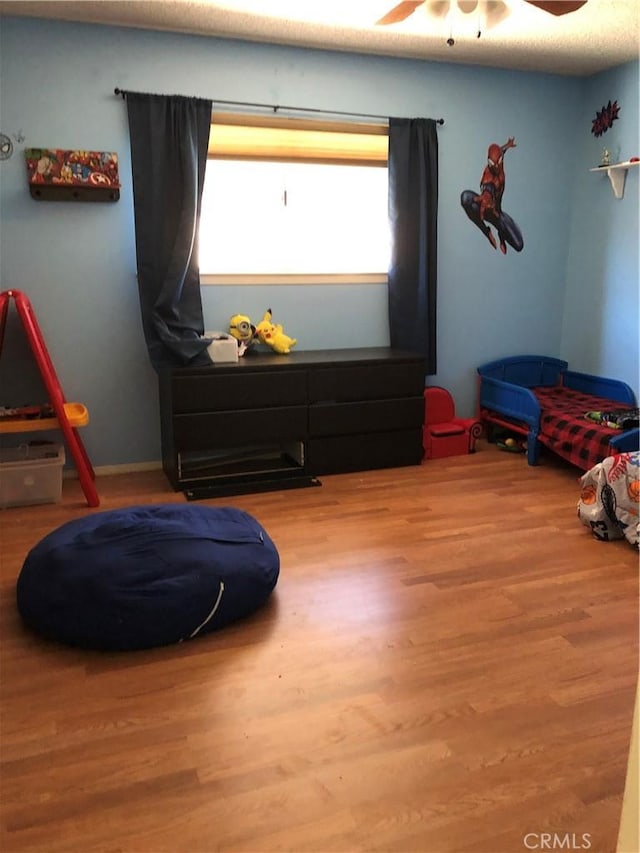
<point>242,329</point>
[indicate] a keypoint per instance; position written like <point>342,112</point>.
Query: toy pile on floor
<point>509,442</point>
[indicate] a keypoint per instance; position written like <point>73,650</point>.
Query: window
<point>295,199</point>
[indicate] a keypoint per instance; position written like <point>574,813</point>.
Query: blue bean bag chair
<point>146,576</point>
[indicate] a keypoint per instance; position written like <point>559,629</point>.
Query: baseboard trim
<point>107,470</point>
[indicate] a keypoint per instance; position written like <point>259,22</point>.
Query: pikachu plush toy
<point>273,336</point>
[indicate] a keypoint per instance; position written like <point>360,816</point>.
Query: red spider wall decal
<point>605,118</point>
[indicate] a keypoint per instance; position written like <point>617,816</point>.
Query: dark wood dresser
<point>270,420</point>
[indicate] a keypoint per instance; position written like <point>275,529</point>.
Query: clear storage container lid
<point>32,452</point>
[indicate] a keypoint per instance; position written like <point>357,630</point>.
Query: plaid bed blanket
<point>565,429</point>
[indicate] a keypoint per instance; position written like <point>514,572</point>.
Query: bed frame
<point>505,398</point>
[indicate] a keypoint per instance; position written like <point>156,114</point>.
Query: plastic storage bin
<point>31,474</point>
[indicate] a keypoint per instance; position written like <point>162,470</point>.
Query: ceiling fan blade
<point>400,12</point>
<point>558,7</point>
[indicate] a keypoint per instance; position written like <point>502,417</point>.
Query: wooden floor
<point>448,663</point>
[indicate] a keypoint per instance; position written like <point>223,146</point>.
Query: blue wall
<point>600,321</point>
<point>77,262</point>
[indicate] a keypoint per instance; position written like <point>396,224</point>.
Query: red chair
<point>443,434</point>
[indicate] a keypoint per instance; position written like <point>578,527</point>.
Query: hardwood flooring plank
<point>449,661</point>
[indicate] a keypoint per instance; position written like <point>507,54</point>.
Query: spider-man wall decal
<point>485,208</point>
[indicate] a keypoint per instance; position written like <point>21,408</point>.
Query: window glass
<point>261,217</point>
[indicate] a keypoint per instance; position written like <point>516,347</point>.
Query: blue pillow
<point>146,575</point>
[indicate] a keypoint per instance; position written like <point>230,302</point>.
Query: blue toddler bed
<point>538,397</point>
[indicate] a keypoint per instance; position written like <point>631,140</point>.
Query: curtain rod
<point>276,107</point>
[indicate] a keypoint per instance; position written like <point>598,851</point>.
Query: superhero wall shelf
<point>57,175</point>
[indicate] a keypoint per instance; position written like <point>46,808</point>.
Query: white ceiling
<point>600,35</point>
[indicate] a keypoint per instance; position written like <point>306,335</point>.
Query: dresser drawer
<point>230,429</point>
<point>370,416</point>
<point>367,382</point>
<point>327,410</point>
<point>335,455</point>
<point>238,390</point>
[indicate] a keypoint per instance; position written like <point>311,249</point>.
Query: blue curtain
<point>413,213</point>
<point>169,138</point>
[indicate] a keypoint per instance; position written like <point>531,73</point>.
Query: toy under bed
<point>538,397</point>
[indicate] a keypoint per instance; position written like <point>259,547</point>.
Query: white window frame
<point>274,138</point>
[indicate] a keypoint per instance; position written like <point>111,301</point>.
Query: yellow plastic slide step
<point>77,415</point>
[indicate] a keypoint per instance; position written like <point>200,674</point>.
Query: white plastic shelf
<point>617,173</point>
